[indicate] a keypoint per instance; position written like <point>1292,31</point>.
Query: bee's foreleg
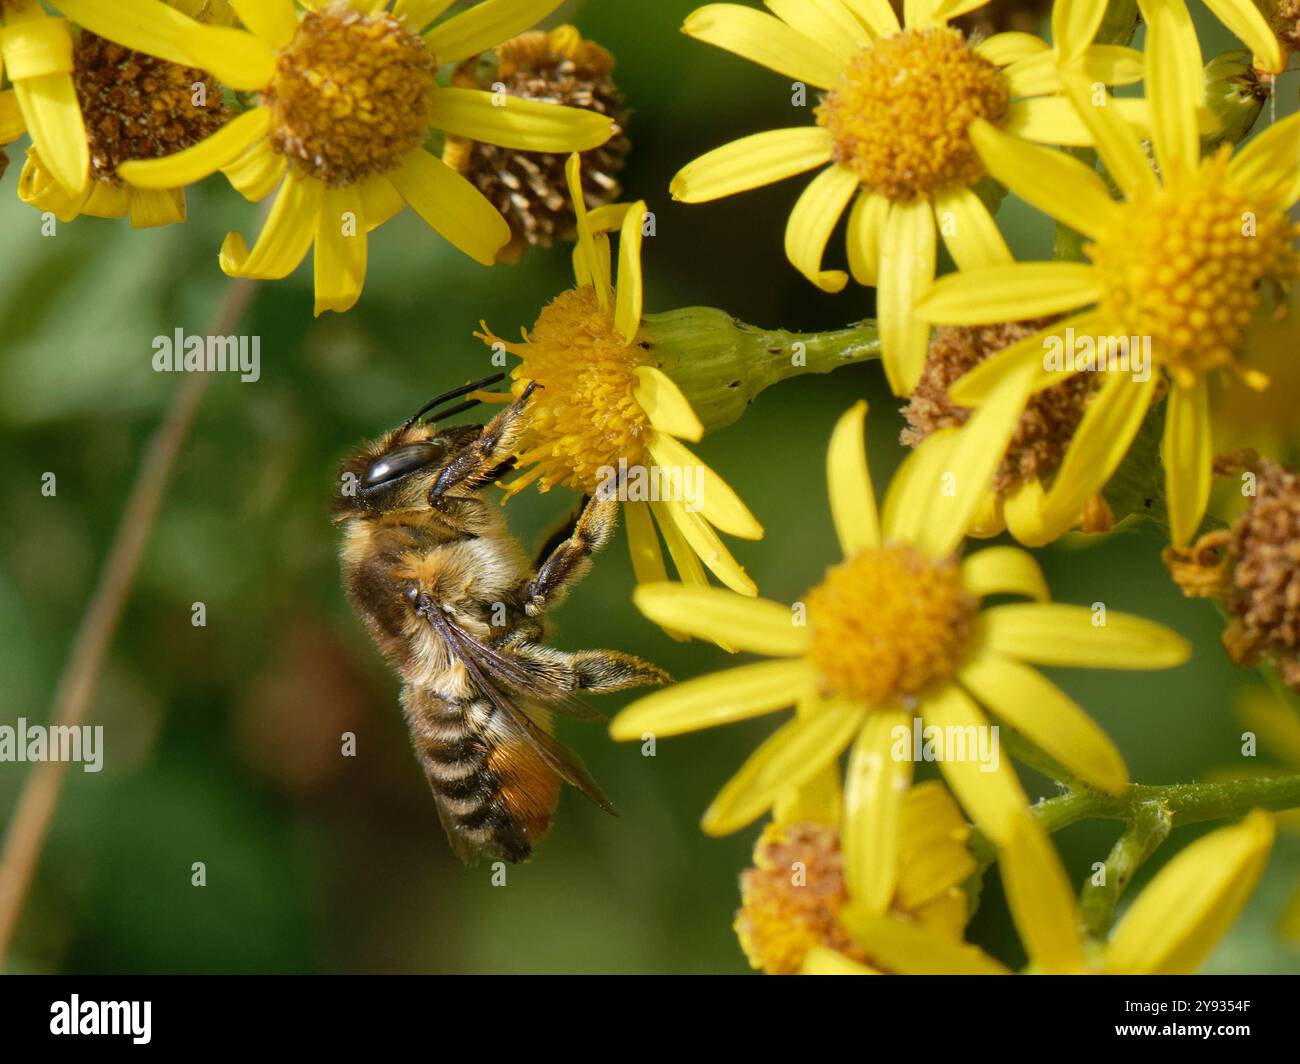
<point>482,461</point>
<point>612,670</point>
<point>569,561</point>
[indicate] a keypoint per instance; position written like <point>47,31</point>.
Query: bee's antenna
<point>455,393</point>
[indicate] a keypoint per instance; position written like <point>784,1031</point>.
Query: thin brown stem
<point>34,811</point>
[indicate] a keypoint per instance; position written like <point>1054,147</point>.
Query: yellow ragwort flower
<point>347,99</point>
<point>894,127</point>
<point>1177,264</point>
<point>797,901</point>
<point>895,635</point>
<point>604,416</point>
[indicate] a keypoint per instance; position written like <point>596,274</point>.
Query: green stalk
<point>721,364</point>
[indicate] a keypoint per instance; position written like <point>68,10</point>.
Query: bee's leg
<point>486,458</point>
<point>569,560</point>
<point>612,670</point>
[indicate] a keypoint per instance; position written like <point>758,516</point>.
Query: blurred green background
<point>223,741</point>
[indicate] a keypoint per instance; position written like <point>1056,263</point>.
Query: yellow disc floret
<point>1182,264</point>
<point>584,416</point>
<point>350,96</point>
<point>887,623</point>
<point>901,114</point>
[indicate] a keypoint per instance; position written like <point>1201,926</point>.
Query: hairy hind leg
<point>571,558</point>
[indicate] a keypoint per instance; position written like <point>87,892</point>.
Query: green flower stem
<point>721,363</point>
<point>1186,803</point>
<point>1149,827</point>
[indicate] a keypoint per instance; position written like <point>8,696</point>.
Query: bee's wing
<point>484,665</point>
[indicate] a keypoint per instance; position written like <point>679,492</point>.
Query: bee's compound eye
<point>398,463</point>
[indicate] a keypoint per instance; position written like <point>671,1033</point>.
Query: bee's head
<point>396,471</point>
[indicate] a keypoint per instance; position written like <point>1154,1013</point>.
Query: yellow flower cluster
<point>1168,235</point>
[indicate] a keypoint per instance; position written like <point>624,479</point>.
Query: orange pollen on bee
<point>901,114</point>
<point>350,94</point>
<point>1183,265</point>
<point>584,416</point>
<point>888,623</point>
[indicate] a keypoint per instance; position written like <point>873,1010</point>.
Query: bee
<point>453,605</point>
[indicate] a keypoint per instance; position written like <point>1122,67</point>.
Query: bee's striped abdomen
<point>494,794</point>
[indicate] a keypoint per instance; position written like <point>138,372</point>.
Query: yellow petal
<point>1004,571</point>
<point>235,57</point>
<point>751,162</point>
<point>793,754</point>
<point>954,496</point>
<point>1074,25</point>
<point>866,230</point>
<point>709,548</point>
<point>935,855</point>
<point>631,290</point>
<point>1041,899</point>
<point>822,960</point>
<point>209,155</point>
<point>115,201</point>
<point>1100,443</point>
<point>53,118</point>
<point>1188,455</point>
<point>664,404</point>
<point>1113,64</point>
<point>143,25</point>
<point>1054,120</point>
<point>452,206</point>
<point>37,187</point>
<point>1090,638</point>
<point>1009,293</point>
<point>853,502</point>
<point>904,948</point>
<point>257,171</point>
<point>286,236</point>
<point>417,14</point>
<point>1023,511</point>
<point>989,792</point>
<point>1050,180</point>
<point>877,15</point>
<point>152,208</point>
<point>484,26</point>
<point>1268,159</point>
<point>380,201</point>
<point>590,262</point>
<point>969,231</point>
<point>704,490</point>
<point>688,566</point>
<point>275,21</point>
<point>721,698</point>
<point>340,250</point>
<point>1003,49</point>
<point>812,221</point>
<point>516,122</point>
<point>908,497</point>
<point>12,125</point>
<point>647,558</point>
<point>1174,82</point>
<point>827,22</point>
<point>1116,142</point>
<point>757,625</point>
<point>1179,918</point>
<point>906,270</point>
<point>1249,26</point>
<point>874,787</point>
<point>764,39</point>
<point>1036,708</point>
